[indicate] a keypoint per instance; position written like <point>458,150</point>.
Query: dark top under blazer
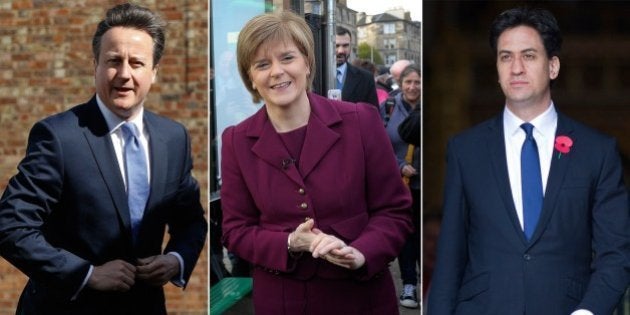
<point>67,209</point>
<point>351,188</point>
<point>359,86</point>
<point>578,255</point>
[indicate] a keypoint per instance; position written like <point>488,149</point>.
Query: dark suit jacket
<point>578,255</point>
<point>67,209</point>
<point>346,179</point>
<point>359,86</point>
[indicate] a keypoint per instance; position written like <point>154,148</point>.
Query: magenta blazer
<point>347,180</point>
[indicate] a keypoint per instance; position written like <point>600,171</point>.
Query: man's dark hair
<point>539,19</point>
<point>132,16</point>
<point>343,31</point>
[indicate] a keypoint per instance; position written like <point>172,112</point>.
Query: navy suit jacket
<point>66,209</point>
<point>578,255</point>
<point>359,86</point>
<point>346,179</point>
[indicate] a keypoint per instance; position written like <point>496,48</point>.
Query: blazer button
<point>527,257</point>
<point>303,205</point>
<point>301,191</point>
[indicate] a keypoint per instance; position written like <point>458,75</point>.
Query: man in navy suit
<point>356,85</point>
<point>75,220</point>
<point>499,252</point>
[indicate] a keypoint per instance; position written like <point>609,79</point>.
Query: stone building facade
<point>393,34</point>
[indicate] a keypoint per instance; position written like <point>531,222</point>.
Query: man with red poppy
<point>535,217</point>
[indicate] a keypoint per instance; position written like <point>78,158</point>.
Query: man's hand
<point>157,270</point>
<point>115,275</point>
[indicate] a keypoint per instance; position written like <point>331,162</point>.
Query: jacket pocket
<point>473,287</point>
<point>575,288</point>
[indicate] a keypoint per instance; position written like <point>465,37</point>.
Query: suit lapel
<point>319,136</point>
<point>350,83</point>
<point>496,146</point>
<point>557,172</point>
<point>96,133</point>
<point>269,146</point>
<point>317,142</point>
<point>157,147</point>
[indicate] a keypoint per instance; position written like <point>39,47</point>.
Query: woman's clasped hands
<point>308,238</point>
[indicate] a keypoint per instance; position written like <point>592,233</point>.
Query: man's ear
<point>155,71</point>
<point>554,67</point>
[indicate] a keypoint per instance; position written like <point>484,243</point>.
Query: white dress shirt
<point>544,133</point>
<point>341,72</point>
<point>115,132</point>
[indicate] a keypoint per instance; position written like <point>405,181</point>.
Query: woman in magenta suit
<point>311,194</point>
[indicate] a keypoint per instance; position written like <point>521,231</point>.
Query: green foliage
<point>364,51</point>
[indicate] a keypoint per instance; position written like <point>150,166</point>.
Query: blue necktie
<point>339,80</point>
<point>531,182</point>
<point>137,178</point>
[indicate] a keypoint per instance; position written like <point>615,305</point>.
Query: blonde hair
<point>267,28</point>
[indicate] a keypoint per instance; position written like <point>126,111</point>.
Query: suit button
<point>527,257</point>
<point>301,191</point>
<point>303,205</point>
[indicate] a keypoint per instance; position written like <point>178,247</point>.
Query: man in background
<point>356,85</point>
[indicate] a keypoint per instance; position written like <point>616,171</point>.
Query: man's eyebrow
<point>529,50</point>
<point>522,51</point>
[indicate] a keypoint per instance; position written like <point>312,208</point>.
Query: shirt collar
<point>114,122</point>
<point>544,124</point>
<point>343,68</point>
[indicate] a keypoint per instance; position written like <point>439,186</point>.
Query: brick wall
<point>46,67</point>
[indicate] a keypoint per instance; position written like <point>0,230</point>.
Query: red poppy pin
<point>563,145</point>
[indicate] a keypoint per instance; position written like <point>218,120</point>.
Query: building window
<point>389,43</point>
<point>389,28</point>
<point>390,59</point>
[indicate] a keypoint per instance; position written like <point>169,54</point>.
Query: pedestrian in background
<point>381,92</point>
<point>395,70</point>
<point>408,159</point>
<point>356,84</point>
